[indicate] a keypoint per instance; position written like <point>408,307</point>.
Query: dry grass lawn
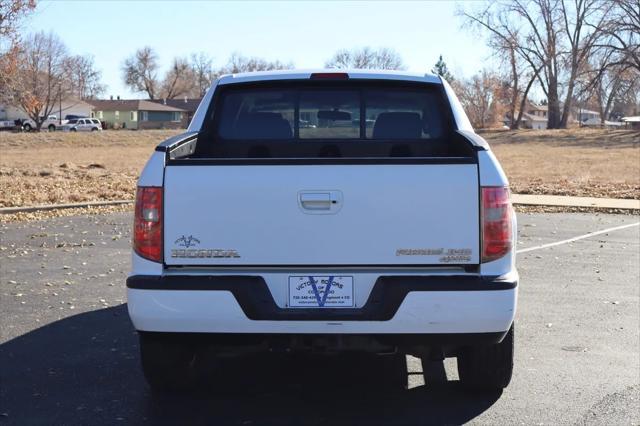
<point>580,162</point>
<point>50,168</point>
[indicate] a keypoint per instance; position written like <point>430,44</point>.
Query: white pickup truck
<point>9,124</point>
<point>325,211</point>
<point>51,123</point>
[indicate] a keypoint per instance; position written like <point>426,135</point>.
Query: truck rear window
<point>322,119</point>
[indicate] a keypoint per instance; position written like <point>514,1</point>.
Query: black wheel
<point>51,128</point>
<point>489,367</point>
<point>167,362</point>
<point>73,130</point>
<point>27,127</point>
<point>94,129</point>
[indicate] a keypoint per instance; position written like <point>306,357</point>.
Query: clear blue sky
<point>306,33</point>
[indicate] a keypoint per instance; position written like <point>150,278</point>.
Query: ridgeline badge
<point>191,241</point>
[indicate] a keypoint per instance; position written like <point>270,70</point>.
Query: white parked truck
<point>51,123</point>
<point>9,124</point>
<point>325,211</point>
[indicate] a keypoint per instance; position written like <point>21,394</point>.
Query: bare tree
<point>621,33</point>
<point>238,63</point>
<point>582,24</point>
<point>612,74</point>
<point>185,77</point>
<point>510,57</point>
<point>512,68</point>
<point>513,26</point>
<point>140,72</point>
<point>84,78</point>
<point>608,82</point>
<point>366,58</point>
<point>553,37</point>
<point>179,80</point>
<point>42,76</point>
<point>202,70</point>
<point>627,105</point>
<point>12,12</point>
<point>479,96</point>
<point>517,73</point>
<point>617,85</point>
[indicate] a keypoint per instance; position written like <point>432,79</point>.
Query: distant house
<point>188,105</point>
<point>537,116</point>
<point>137,114</point>
<point>585,117</point>
<point>632,122</point>
<point>534,117</point>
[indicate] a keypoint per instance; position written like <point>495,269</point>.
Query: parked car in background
<point>83,125</point>
<point>10,124</point>
<point>74,116</point>
<point>51,123</point>
<point>306,124</point>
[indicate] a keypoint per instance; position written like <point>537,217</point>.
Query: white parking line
<point>581,237</point>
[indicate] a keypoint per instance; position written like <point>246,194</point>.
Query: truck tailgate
<point>384,214</point>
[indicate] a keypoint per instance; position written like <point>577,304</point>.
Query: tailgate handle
<point>316,200</point>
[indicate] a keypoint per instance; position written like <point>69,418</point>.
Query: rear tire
<point>51,128</point>
<point>27,127</point>
<point>487,368</point>
<point>73,130</point>
<point>167,362</point>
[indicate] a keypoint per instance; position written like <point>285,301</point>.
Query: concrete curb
<point>520,199</point>
<point>566,201</point>
<point>8,210</point>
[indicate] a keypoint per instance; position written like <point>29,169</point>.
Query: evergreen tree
<point>440,68</point>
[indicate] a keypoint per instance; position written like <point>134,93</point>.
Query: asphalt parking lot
<point>68,353</point>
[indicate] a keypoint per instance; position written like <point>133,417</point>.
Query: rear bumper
<point>396,305</point>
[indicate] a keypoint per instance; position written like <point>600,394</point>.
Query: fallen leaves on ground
<point>57,168</point>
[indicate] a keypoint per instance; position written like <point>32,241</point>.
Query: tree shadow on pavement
<point>85,370</point>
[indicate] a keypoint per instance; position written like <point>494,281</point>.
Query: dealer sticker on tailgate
<point>320,292</point>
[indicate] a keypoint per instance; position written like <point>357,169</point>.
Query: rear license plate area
<point>331,291</point>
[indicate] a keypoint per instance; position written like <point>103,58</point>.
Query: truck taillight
<point>147,226</point>
<point>496,223</point>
